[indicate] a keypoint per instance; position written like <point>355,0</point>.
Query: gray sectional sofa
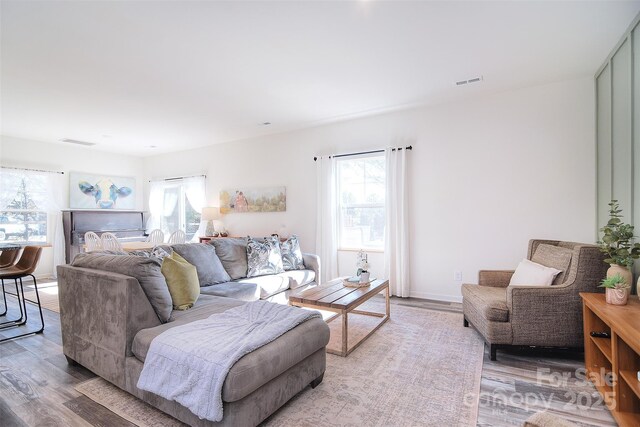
<point>109,320</point>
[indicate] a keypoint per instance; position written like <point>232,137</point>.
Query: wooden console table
<point>612,363</point>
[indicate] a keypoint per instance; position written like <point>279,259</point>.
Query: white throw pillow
<point>530,273</point>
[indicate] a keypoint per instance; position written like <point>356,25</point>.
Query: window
<point>176,205</point>
<point>361,195</point>
<point>182,216</point>
<point>23,207</point>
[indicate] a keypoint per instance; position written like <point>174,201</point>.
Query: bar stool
<point>7,259</point>
<point>24,268</point>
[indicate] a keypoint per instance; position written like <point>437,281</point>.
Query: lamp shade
<point>210,213</point>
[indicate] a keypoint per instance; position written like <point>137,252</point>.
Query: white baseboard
<point>436,297</point>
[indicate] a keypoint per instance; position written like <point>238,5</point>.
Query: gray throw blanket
<point>189,363</point>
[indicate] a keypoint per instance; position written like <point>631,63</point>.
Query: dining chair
<point>23,268</point>
<point>177,236</point>
<point>156,236</point>
<point>8,257</point>
<point>110,242</point>
<point>92,242</point>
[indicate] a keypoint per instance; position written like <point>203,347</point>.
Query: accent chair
<point>541,316</point>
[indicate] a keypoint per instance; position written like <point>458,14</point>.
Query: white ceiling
<point>181,74</point>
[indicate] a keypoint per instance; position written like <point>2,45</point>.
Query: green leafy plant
<point>617,239</point>
<point>615,282</point>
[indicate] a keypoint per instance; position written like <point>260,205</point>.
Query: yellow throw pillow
<point>182,280</point>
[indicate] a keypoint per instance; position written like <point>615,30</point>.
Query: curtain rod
<point>31,170</point>
<point>177,178</point>
<point>364,152</point>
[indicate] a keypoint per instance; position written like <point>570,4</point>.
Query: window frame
<point>43,211</point>
<point>341,206</point>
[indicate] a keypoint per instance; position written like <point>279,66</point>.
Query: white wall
<point>65,158</point>
<point>486,175</point>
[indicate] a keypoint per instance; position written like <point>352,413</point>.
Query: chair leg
<point>35,285</point>
<point>492,352</point>
<point>4,297</point>
<point>24,304</point>
<point>23,317</point>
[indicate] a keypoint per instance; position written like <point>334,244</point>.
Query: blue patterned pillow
<point>291,254</point>
<point>263,257</point>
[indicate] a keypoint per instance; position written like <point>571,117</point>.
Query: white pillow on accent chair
<point>530,273</point>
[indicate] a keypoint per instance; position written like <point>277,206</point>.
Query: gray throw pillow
<point>291,254</point>
<point>145,270</point>
<point>159,252</point>
<point>233,255</point>
<point>208,265</point>
<point>263,257</point>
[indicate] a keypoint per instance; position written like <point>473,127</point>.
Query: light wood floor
<point>37,384</point>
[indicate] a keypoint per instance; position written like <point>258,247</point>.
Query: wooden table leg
<point>386,297</point>
<point>345,327</point>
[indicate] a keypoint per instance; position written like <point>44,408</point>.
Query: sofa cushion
<point>203,308</point>
<point>233,255</point>
<point>298,278</point>
<point>182,280</point>
<point>256,368</point>
<point>203,256</point>
<point>237,290</point>
<point>268,285</point>
<point>263,257</point>
<point>554,257</point>
<point>291,254</point>
<point>145,270</point>
<point>490,301</point>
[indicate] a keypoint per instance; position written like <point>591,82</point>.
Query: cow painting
<point>105,192</point>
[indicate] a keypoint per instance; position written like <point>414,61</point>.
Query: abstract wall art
<point>92,191</point>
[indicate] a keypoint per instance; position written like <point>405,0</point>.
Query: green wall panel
<point>621,128</point>
<point>635,76</point>
<point>618,130</point>
<point>603,93</point>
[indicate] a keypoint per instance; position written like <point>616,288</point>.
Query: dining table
<point>9,247</point>
<point>137,246</point>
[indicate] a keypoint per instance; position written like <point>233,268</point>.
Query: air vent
<point>75,141</point>
<point>469,81</point>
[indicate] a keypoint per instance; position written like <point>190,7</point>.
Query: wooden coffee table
<point>334,296</point>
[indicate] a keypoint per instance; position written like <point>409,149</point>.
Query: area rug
<point>421,368</point>
<point>48,293</point>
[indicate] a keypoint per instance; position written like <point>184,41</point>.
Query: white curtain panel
<point>55,203</point>
<point>326,218</point>
<point>396,241</point>
<point>194,187</point>
<point>195,190</point>
<point>156,204</point>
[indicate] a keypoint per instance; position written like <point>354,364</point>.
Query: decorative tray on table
<point>354,282</point>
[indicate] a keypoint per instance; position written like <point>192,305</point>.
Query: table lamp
<point>210,214</point>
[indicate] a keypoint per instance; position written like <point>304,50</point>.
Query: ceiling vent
<point>469,81</point>
<point>75,141</point>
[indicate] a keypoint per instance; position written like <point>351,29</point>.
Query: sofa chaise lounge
<point>108,323</point>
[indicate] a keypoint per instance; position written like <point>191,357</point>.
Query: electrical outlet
<point>457,276</point>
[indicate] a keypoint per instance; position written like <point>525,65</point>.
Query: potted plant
<point>617,244</point>
<point>617,289</point>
